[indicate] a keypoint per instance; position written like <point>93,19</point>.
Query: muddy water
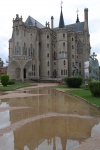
<point>51,120</point>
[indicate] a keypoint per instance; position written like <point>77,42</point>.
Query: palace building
<point>41,52</point>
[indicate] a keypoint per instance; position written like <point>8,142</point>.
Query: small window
<point>79,65</point>
<point>48,55</point>
<point>63,35</point>
<point>63,43</point>
<point>64,62</point>
<point>48,63</point>
<point>47,36</point>
<point>66,72</point>
<point>54,63</point>
<point>72,39</point>
<point>72,56</point>
<point>48,73</point>
<point>47,45</point>
<point>72,47</point>
<point>61,72</point>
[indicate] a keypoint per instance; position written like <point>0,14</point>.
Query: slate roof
<point>76,27</point>
<point>32,22</point>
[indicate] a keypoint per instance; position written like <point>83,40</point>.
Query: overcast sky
<point>42,10</point>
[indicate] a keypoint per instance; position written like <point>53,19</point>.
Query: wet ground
<point>45,119</point>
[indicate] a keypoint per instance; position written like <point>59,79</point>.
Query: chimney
<point>52,22</point>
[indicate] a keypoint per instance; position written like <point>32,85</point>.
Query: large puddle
<point>51,120</point>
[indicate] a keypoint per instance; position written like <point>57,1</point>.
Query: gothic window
<point>63,35</point>
<point>54,55</point>
<point>31,52</point>
<point>54,63</point>
<point>48,55</point>
<point>17,31</point>
<point>64,62</point>
<point>64,72</point>
<point>48,63</point>
<point>61,72</point>
<point>17,49</point>
<point>72,64</point>
<point>24,32</point>
<point>63,43</point>
<point>47,36</point>
<point>72,47</point>
<point>24,49</point>
<point>47,45</point>
<point>79,65</point>
<point>32,67</point>
<point>72,56</point>
<point>48,73</point>
<point>72,39</point>
<point>79,47</point>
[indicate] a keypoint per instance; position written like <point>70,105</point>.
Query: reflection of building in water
<point>53,101</point>
<point>35,133</point>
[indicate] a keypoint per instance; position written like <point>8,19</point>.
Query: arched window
<point>72,39</point>
<point>47,36</point>
<point>48,63</point>
<point>61,72</point>
<point>24,49</point>
<point>64,62</point>
<point>72,47</point>
<point>32,67</point>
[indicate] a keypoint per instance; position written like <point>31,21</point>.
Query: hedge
<point>95,88</point>
<point>73,82</point>
<point>4,79</point>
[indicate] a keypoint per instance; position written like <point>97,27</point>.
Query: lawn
<point>81,92</point>
<point>14,86</point>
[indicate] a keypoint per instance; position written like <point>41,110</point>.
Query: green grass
<point>14,86</point>
<point>83,93</point>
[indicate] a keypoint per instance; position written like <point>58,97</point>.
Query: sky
<point>42,10</point>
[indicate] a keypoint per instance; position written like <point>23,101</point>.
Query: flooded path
<point>45,119</point>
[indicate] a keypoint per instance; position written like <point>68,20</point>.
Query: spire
<point>77,20</point>
<point>61,21</point>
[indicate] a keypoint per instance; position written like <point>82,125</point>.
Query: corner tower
<point>62,61</point>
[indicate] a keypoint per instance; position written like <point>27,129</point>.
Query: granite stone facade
<point>43,52</point>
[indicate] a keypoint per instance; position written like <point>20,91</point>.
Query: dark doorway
<point>24,73</point>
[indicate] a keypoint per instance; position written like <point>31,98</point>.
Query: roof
<point>79,26</point>
<point>76,27</point>
<point>32,22</point>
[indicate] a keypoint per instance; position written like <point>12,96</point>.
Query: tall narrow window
<point>48,63</point>
<point>47,36</point>
<point>64,62</point>
<point>72,47</point>
<point>63,35</point>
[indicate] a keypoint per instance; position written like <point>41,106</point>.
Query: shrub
<point>73,82</point>
<point>95,88</point>
<point>11,81</point>
<point>4,80</point>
